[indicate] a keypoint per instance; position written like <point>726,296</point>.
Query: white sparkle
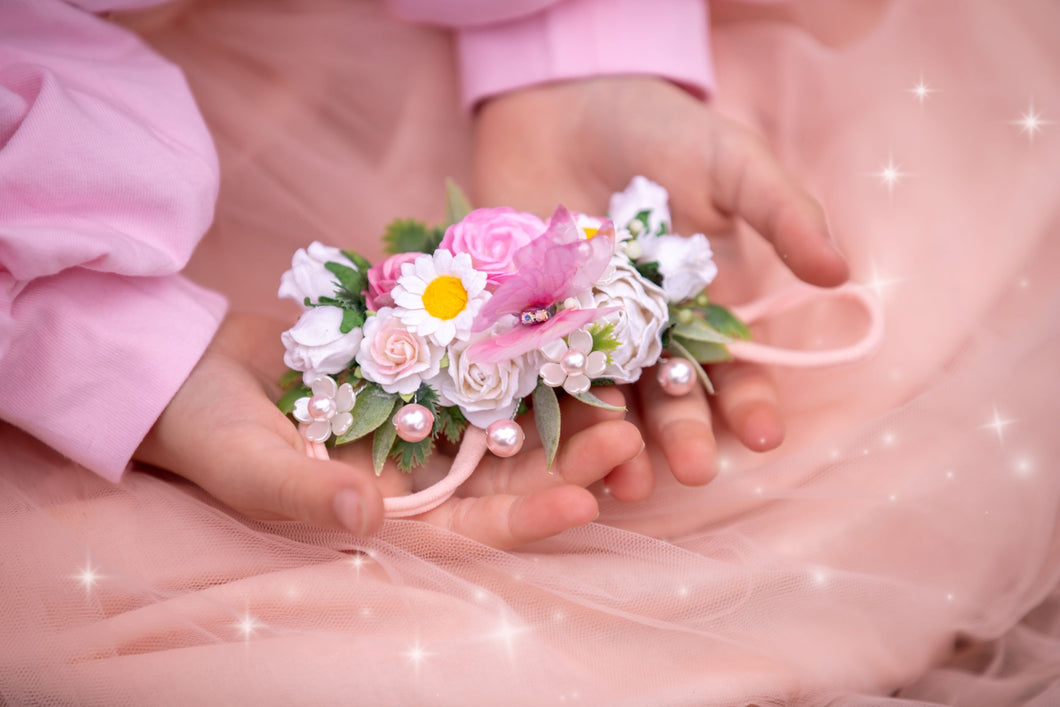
<point>1024,283</point>
<point>416,654</point>
<point>724,463</point>
<point>880,283</point>
<point>247,625</point>
<point>888,438</point>
<point>950,597</point>
<point>949,475</point>
<point>820,577</point>
<point>890,174</point>
<point>682,592</point>
<point>758,490</point>
<point>506,633</point>
<point>88,576</point>
<point>834,454</point>
<point>357,562</point>
<point>480,595</point>
<point>865,452</point>
<point>893,497</point>
<point>1031,122</point>
<point>998,425</point>
<point>366,611</point>
<point>558,615</point>
<point>921,90</point>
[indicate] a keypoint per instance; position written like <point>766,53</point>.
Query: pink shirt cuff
<point>582,38</point>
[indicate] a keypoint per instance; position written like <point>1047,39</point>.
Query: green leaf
<point>677,349</point>
<point>725,321</point>
<point>290,378</point>
<point>382,442</point>
<point>705,352</point>
<point>374,406</point>
<point>650,272</point>
<point>457,205</point>
<point>352,280</point>
<point>406,235</point>
<point>604,338</point>
<point>287,400</point>
<point>590,399</point>
<point>450,422</point>
<point>359,260</point>
<point>546,415</point>
<point>410,455</point>
<point>699,330</point>
<point>351,319</point>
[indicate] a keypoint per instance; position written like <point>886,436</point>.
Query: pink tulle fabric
<point>900,548</point>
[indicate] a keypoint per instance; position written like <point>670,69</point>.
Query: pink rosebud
<point>381,280</point>
<point>491,237</point>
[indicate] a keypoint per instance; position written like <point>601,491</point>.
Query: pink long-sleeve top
<point>108,179</point>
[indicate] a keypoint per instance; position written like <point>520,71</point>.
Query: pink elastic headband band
<point>473,445</point>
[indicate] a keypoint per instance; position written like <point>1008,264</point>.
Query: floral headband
<point>464,327</point>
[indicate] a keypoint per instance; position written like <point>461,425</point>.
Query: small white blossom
<point>308,278</point>
<point>316,345</point>
<point>327,411</point>
<point>572,363</point>
<point>686,264</point>
<point>642,194</point>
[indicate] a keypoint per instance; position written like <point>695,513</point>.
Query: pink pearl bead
<point>573,362</point>
<point>413,422</point>
<point>321,407</point>
<point>505,438</point>
<point>676,376</point>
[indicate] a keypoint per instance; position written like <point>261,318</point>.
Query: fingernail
<point>348,510</point>
<point>643,446</point>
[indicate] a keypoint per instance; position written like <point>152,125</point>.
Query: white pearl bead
<point>413,422</point>
<point>321,407</point>
<point>505,438</point>
<point>676,376</point>
<point>573,362</point>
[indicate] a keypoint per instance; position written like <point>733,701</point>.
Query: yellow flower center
<point>590,232</point>
<point>445,297</point>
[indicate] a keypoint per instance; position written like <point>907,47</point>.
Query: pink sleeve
<point>108,178</point>
<point>506,46</point>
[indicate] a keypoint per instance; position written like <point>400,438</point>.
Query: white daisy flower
<point>439,295</point>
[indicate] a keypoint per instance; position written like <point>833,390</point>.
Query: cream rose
<point>394,357</point>
<point>642,315</point>
<point>486,392</point>
<point>316,346</point>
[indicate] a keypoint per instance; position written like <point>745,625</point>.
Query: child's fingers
<point>506,521</point>
<point>749,182</point>
<point>583,459</point>
<point>681,427</point>
<point>747,401</point>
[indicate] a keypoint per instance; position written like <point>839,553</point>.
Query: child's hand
<point>223,432</point>
<point>577,142</point>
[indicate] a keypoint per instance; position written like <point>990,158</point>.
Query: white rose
<point>486,392</point>
<point>395,357</point>
<point>643,314</point>
<point>315,345</point>
<point>686,264</point>
<point>308,277</point>
<point>642,194</point>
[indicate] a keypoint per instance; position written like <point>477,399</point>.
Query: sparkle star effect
<point>890,174</point>
<point>88,576</point>
<point>921,90</point>
<point>506,633</point>
<point>247,625</point>
<point>998,424</point>
<point>1031,123</point>
<point>879,283</point>
<point>416,654</point>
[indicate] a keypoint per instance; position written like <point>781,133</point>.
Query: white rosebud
<point>308,277</point>
<point>395,357</point>
<point>686,264</point>
<point>642,315</point>
<point>642,194</point>
<point>486,392</point>
<point>316,346</point>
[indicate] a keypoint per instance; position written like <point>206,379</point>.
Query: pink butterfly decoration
<point>558,264</point>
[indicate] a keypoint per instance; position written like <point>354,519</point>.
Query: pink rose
<point>491,237</point>
<point>381,280</point>
<point>394,357</point>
